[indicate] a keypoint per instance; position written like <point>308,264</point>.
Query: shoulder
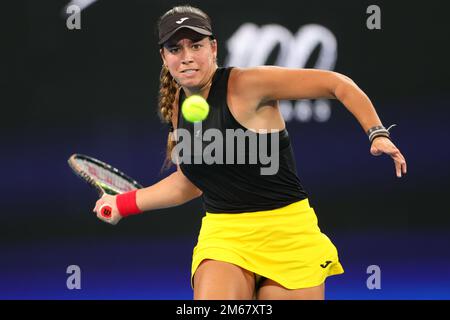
<point>256,78</point>
<point>255,74</point>
<point>252,83</point>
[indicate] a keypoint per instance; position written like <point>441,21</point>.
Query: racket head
<point>102,176</point>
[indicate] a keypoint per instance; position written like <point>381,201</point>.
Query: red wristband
<point>126,204</point>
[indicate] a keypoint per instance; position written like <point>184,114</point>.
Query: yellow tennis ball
<point>195,108</point>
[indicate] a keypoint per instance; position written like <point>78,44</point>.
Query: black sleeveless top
<point>234,179</point>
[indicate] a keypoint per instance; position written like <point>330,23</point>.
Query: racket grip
<point>105,211</point>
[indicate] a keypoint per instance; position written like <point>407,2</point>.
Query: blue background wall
<point>94,91</point>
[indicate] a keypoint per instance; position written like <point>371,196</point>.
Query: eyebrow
<point>171,45</point>
<point>174,45</point>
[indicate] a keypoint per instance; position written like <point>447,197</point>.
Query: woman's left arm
<point>359,104</point>
<point>275,83</point>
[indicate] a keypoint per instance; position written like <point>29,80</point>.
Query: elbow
<point>193,192</point>
<point>198,193</point>
<point>342,87</point>
<point>187,190</point>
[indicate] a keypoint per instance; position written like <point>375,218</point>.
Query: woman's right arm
<point>172,191</point>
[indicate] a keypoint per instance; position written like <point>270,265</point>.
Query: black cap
<point>172,23</point>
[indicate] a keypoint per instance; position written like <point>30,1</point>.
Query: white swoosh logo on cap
<point>181,20</point>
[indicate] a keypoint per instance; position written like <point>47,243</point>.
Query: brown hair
<point>168,87</point>
<point>167,94</point>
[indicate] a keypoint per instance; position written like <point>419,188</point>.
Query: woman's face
<point>191,58</point>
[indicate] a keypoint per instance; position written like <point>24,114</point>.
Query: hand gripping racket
<point>103,177</point>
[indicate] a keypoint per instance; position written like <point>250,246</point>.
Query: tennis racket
<point>103,177</point>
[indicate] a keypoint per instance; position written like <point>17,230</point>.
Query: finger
<point>110,221</point>
<point>100,201</point>
<point>97,204</point>
<point>404,168</point>
<point>396,156</point>
<point>398,168</point>
<point>95,207</point>
<point>402,161</point>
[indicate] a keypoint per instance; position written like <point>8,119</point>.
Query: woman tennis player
<point>260,237</point>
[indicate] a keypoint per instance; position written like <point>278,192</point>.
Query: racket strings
<point>107,179</point>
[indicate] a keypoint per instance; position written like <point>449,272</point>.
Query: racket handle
<point>105,211</point>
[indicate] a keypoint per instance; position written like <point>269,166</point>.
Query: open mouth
<point>189,71</point>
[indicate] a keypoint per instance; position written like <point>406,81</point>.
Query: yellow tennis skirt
<point>284,245</point>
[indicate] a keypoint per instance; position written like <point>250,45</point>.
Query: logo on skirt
<point>324,265</point>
